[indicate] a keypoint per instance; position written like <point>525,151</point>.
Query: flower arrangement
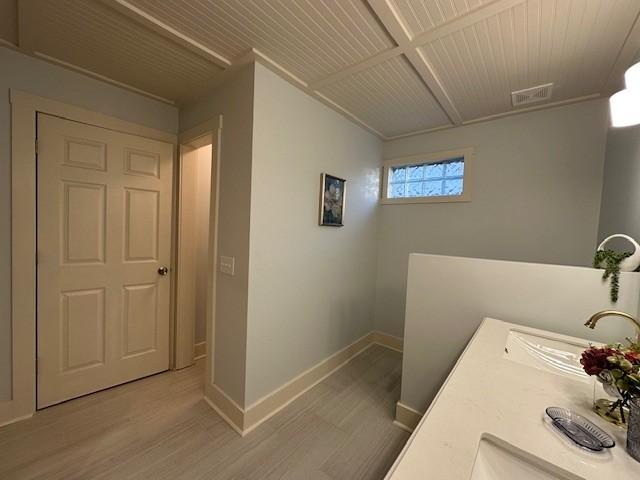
<point>618,369</point>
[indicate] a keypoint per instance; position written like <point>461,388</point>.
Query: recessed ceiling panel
<point>570,43</point>
<point>389,97</point>
<point>99,39</point>
<point>471,53</point>
<point>421,15</point>
<point>310,38</point>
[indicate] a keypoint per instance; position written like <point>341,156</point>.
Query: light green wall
<point>620,211</point>
<point>311,288</point>
<point>536,198</point>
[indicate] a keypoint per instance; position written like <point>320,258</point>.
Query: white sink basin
<point>499,460</point>
<point>551,354</point>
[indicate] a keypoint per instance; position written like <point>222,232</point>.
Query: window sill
<point>440,199</point>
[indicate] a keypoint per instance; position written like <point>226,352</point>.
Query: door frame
<point>212,129</point>
<point>24,108</point>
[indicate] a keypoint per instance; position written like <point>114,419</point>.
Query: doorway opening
<point>194,253</point>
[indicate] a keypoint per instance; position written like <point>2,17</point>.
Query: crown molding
<point>534,108</point>
<point>421,132</point>
<point>97,76</point>
<point>496,116</point>
<point>285,74</point>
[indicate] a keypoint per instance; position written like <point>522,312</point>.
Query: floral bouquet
<point>618,369</point>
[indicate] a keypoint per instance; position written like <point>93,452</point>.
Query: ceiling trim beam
<point>391,19</point>
<point>143,18</point>
<point>357,67</point>
<point>465,20</point>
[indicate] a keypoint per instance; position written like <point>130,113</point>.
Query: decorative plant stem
<point>621,404</point>
<point>612,261</point>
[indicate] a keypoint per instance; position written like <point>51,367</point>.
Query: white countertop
<point>489,394</point>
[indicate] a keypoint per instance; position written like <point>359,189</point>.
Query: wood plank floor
<point>161,428</point>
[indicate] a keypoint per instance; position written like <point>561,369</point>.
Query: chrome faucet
<point>593,320</point>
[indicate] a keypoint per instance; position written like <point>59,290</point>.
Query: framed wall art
<point>332,200</point>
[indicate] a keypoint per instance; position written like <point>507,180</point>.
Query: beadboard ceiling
<point>396,67</point>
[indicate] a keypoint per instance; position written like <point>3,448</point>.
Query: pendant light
<point>625,105</point>
<point>632,77</point>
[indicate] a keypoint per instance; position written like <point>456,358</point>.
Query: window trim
<point>434,157</point>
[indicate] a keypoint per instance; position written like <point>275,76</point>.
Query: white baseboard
<point>246,420</point>
<point>199,350</point>
<point>14,420</point>
<point>402,426</point>
<point>389,341</point>
<point>229,410</point>
<point>269,405</point>
<point>406,417</point>
<point>15,410</point>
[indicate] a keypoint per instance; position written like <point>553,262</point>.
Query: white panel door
<point>104,237</point>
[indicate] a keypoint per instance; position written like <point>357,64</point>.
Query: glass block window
<point>431,179</point>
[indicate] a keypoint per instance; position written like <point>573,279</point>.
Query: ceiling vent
<point>531,95</point>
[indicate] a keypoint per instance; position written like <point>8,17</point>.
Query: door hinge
<point>36,146</point>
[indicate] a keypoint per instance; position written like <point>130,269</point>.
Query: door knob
<point>163,271</point>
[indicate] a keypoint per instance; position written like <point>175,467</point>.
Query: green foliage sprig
<point>612,261</point>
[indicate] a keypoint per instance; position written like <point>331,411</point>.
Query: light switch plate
<point>227,265</point>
